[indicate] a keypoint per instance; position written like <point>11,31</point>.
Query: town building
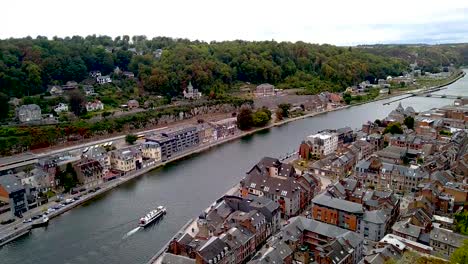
<point>55,90</point>
<point>89,90</point>
<point>387,176</point>
<point>96,105</point>
<point>28,113</point>
<point>103,79</point>
<point>224,128</point>
<point>128,74</point>
<point>445,242</point>
<point>131,104</point>
<point>89,172</point>
<point>191,93</point>
<point>279,182</point>
<point>61,107</point>
<point>36,178</point>
<point>229,231</point>
<point>151,150</point>
<point>70,85</point>
<point>13,193</point>
<point>174,142</point>
<point>318,145</point>
<point>265,89</point>
<point>99,154</point>
<point>95,74</point>
<point>325,244</point>
<point>126,159</point>
<point>337,212</point>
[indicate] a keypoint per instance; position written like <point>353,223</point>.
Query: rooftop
<point>326,200</point>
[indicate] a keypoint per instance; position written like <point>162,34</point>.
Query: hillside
<point>28,66</point>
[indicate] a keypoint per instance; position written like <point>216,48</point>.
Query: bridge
<point>448,96</point>
<point>428,93</point>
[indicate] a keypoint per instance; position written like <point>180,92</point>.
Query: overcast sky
<point>339,22</point>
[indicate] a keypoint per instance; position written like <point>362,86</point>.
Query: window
<point>253,184</point>
<point>284,193</point>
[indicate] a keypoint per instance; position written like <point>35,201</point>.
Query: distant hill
<point>164,66</point>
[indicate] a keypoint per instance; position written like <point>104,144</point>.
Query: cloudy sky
<point>339,22</point>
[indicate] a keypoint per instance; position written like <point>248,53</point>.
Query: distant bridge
<point>448,96</point>
<point>428,93</point>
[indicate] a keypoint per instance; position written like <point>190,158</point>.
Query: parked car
<point>29,220</point>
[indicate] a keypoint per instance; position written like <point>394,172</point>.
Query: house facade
<point>89,172</point>
<point>319,145</point>
<point>94,106</point>
<point>176,141</point>
<point>28,113</point>
<point>151,150</point>
<point>265,89</point>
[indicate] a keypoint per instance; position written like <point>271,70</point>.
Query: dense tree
<point>261,117</point>
<point>461,222</point>
<point>284,109</point>
<point>130,139</point>
<point>394,128</point>
<point>77,103</point>
<point>28,65</point>
<point>460,255</point>
<point>244,118</point>
<point>409,122</point>
<point>68,178</point>
<point>4,106</point>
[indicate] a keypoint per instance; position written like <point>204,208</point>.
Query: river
<point>101,230</point>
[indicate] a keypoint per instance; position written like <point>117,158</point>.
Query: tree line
<point>28,65</point>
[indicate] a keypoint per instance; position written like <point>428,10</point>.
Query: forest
<point>28,65</point>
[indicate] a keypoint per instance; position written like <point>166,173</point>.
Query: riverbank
<point>126,178</point>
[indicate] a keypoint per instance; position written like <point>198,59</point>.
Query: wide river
<point>100,231</point>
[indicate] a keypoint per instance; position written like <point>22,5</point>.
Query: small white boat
<point>152,216</point>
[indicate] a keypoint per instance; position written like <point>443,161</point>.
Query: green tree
<point>77,103</point>
<point>244,118</point>
<point>394,128</point>
<point>68,178</point>
<point>460,256</point>
<point>4,106</point>
<point>409,122</point>
<point>461,222</point>
<point>284,109</point>
<point>260,118</point>
<point>130,139</point>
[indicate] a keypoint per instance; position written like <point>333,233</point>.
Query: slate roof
<point>325,200</point>
<point>404,227</point>
<point>11,183</point>
<point>284,169</point>
<point>275,253</point>
<point>169,258</point>
<point>377,216</point>
<point>211,248</point>
<point>447,237</point>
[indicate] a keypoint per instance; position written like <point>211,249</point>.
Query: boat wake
<point>132,232</point>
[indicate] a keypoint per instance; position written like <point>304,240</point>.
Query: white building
<point>191,93</point>
<point>323,144</point>
<point>103,79</point>
<point>61,108</point>
<point>94,106</point>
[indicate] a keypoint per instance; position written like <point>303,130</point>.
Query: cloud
<point>333,21</point>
